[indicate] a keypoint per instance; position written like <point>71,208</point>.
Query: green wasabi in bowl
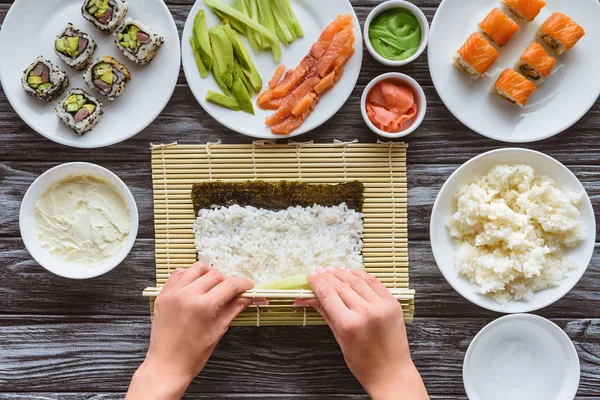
<point>395,34</point>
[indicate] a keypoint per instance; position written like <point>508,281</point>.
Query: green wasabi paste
<point>395,34</point>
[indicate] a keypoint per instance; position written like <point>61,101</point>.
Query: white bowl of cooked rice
<point>513,230</point>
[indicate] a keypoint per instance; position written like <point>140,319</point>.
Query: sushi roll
<point>476,56</point>
<point>498,27</point>
<point>535,64</point>
<point>514,87</point>
<point>75,48</point>
<point>44,80</point>
<point>137,41</point>
<point>80,111</point>
<point>525,10</point>
<point>106,15</point>
<point>107,76</point>
<point>560,32</point>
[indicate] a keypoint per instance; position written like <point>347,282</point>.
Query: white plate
<point>314,16</point>
<point>558,103</point>
<point>28,224</point>
<point>521,357</point>
<point>442,244</point>
<point>29,30</point>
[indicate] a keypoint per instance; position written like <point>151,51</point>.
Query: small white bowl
<point>28,225</point>
<point>402,79</point>
<point>388,5</point>
<point>521,357</point>
<point>443,247</point>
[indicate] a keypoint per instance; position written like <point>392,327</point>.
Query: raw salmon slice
<point>286,108</point>
<point>514,87</point>
<point>320,47</point>
<point>478,53</point>
<point>524,9</point>
<point>535,56</point>
<point>498,26</point>
<point>561,32</point>
<point>327,62</point>
<point>292,123</point>
<point>291,79</point>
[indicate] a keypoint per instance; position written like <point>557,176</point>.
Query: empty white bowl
<point>28,224</point>
<point>442,244</point>
<point>521,357</point>
<point>388,5</point>
<point>401,79</point>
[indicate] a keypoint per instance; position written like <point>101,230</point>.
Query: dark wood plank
<point>424,183</point>
<point>100,353</point>
<point>212,396</point>
<point>27,288</point>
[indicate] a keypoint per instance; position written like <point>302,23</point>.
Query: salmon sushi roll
<point>535,63</point>
<point>514,87</point>
<point>476,56</point>
<point>560,32</point>
<point>525,10</point>
<point>498,27</point>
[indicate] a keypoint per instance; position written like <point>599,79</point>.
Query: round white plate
<point>442,244</point>
<point>314,16</point>
<point>558,103</point>
<point>521,357</point>
<point>29,30</point>
<point>28,224</point>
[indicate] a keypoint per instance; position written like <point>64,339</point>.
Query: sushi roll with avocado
<point>75,48</point>
<point>44,80</point>
<point>80,111</point>
<point>107,76</point>
<point>138,42</point>
<point>106,15</point>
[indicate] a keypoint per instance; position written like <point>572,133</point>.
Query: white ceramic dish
<point>29,30</point>
<point>388,5</point>
<point>28,225</point>
<point>558,103</point>
<point>314,16</point>
<point>420,99</point>
<point>442,243</point>
<point>521,357</point>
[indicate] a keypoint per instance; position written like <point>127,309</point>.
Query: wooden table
<point>63,339</point>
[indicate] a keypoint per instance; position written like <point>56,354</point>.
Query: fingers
<point>328,297</point>
<point>352,299</point>
<point>191,274</point>
<point>375,284</point>
<point>230,288</point>
<point>357,283</point>
<point>234,308</point>
<point>206,282</point>
<point>173,279</point>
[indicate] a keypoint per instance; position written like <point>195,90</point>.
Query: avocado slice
<point>90,108</point>
<point>34,80</point>
<point>202,39</point>
<point>240,74</point>
<point>238,47</point>
<point>61,45</point>
<point>201,67</point>
<point>242,96</point>
<point>254,78</point>
<point>218,77</point>
<point>223,52</point>
<point>108,77</point>
<point>222,100</point>
<point>72,99</point>
<point>101,68</point>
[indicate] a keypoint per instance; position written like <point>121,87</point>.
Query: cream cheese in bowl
<point>78,220</point>
<point>82,219</point>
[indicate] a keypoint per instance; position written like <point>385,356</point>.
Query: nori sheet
<point>276,196</point>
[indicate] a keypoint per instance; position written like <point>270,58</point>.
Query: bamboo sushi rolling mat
<point>381,167</point>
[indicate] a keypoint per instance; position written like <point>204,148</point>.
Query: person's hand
<point>191,315</point>
<point>367,321</point>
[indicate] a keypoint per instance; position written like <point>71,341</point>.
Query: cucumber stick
<point>230,11</point>
<point>291,283</point>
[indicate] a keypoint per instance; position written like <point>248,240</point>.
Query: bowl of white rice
<point>513,230</point>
